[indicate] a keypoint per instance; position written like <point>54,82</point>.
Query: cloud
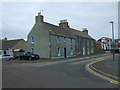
<point>18,18</point>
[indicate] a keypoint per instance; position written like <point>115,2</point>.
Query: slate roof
<point>57,30</point>
<point>6,44</point>
<point>66,32</point>
<point>79,33</point>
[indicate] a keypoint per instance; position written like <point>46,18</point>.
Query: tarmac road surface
<point>71,74</point>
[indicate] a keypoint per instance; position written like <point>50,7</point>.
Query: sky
<point>18,18</point>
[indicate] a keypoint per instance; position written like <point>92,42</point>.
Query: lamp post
<point>113,40</point>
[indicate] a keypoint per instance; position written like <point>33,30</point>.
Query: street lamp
<point>113,40</point>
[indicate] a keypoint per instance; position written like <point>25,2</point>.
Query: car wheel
<point>30,58</point>
<point>19,58</point>
<point>10,58</point>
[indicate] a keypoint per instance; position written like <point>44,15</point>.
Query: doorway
<point>64,51</point>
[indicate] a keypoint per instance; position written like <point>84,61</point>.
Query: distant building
<point>52,41</point>
<point>107,44</point>
<point>117,44</point>
<point>12,46</point>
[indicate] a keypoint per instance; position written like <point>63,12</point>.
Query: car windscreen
<point>22,53</point>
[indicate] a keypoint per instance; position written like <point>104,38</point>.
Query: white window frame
<point>31,39</point>
<point>59,51</point>
<point>71,40</point>
<point>72,51</point>
<point>64,39</point>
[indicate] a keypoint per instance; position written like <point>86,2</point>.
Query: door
<point>64,51</point>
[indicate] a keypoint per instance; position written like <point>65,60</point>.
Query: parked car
<point>27,56</point>
<point>36,56</point>
<point>6,57</point>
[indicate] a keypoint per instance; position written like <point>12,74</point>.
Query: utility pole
<point>113,49</point>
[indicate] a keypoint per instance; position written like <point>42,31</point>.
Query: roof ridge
<point>67,31</point>
<point>15,39</point>
<point>61,31</point>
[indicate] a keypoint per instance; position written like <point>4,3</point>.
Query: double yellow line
<point>87,66</point>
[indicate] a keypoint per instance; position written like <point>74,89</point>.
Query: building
<point>52,41</point>
<point>107,44</point>
<point>119,44</point>
<point>10,47</point>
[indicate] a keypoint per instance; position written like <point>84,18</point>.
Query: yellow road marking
<point>82,61</point>
<point>99,75</point>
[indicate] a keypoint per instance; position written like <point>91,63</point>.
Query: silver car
<point>6,57</point>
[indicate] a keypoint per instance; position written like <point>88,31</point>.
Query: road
<point>70,74</point>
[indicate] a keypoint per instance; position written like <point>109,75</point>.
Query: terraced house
<point>52,41</point>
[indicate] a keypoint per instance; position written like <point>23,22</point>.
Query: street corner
<point>100,73</point>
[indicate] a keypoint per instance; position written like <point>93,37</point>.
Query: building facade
<point>52,41</point>
<point>107,44</point>
<point>10,47</point>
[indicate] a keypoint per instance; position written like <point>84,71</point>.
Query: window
<point>64,39</point>
<point>88,45</point>
<point>84,42</point>
<point>84,51</point>
<point>78,40</point>
<point>58,51</point>
<point>88,42</point>
<point>71,51</point>
<point>32,50</point>
<point>78,49</point>
<point>71,40</point>
<point>92,46</point>
<point>58,39</point>
<point>4,52</point>
<point>31,39</point>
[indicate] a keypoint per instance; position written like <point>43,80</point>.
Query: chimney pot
<point>39,18</point>
<point>63,23</point>
<point>85,30</point>
<point>5,39</point>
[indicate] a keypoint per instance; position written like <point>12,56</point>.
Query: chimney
<point>5,39</point>
<point>39,18</point>
<point>85,30</point>
<point>63,23</point>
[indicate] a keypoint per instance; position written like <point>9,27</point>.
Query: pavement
<point>106,69</point>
